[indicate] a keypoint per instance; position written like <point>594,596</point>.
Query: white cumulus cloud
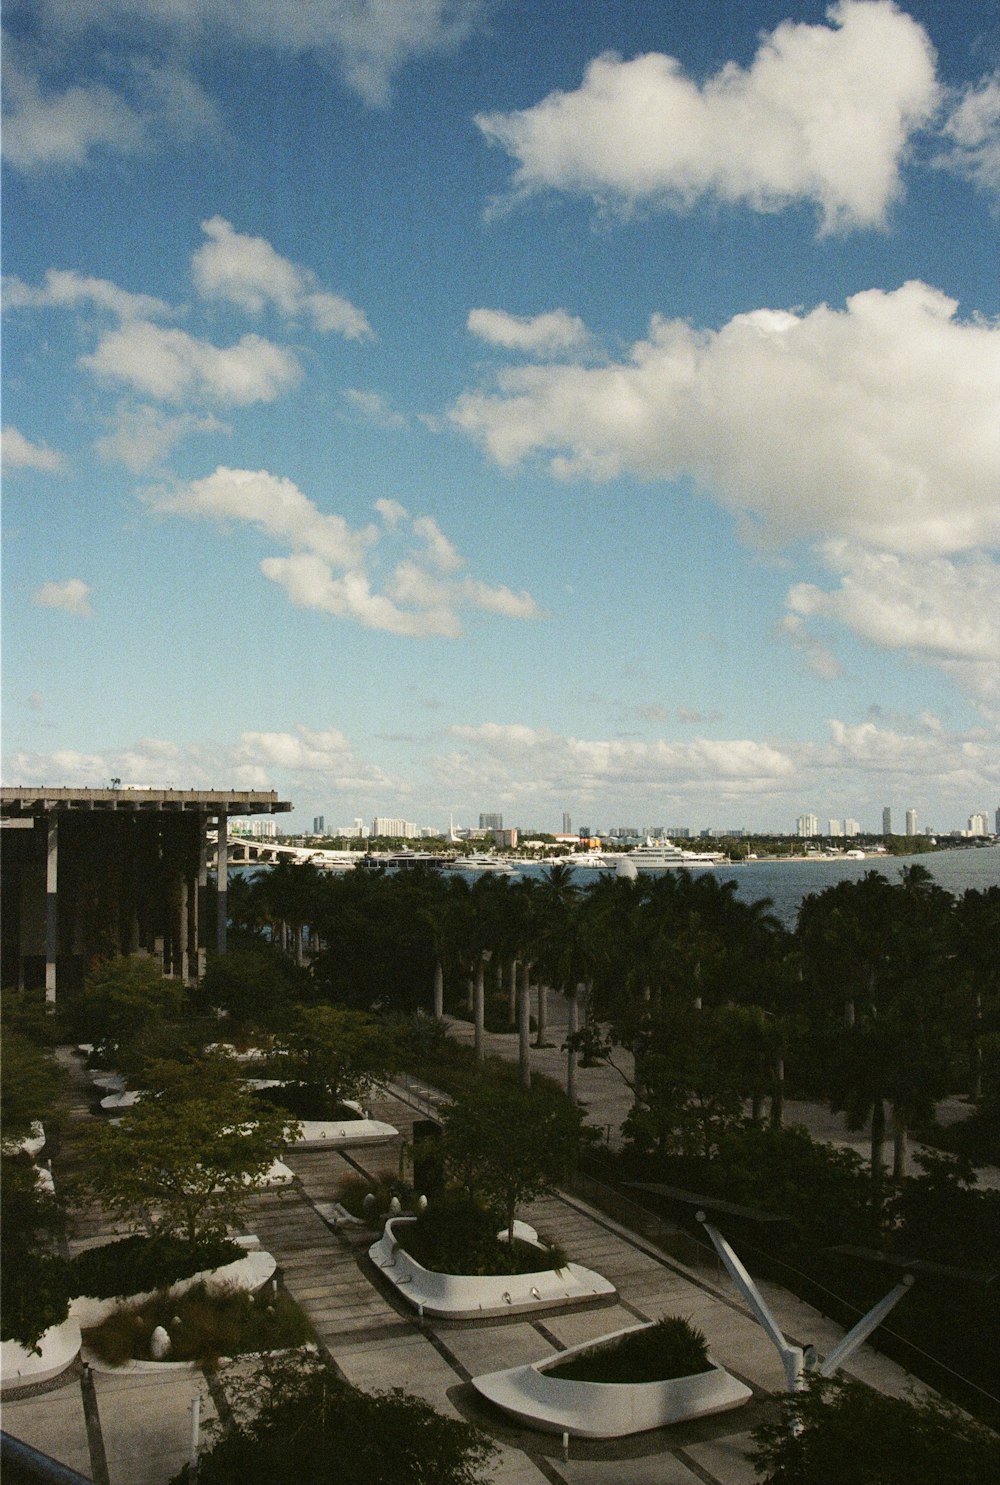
<point>65,289</point>
<point>169,364</point>
<point>19,452</point>
<point>547,334</point>
<point>327,567</point>
<point>876,422</point>
<point>370,40</point>
<point>48,126</point>
<point>72,596</point>
<point>142,436</point>
<point>972,134</point>
<point>248,272</point>
<point>823,114</point>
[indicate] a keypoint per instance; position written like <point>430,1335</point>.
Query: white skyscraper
<point>911,822</point>
<point>806,826</point>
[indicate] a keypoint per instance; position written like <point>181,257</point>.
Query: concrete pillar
<point>200,914</point>
<point>51,907</point>
<point>223,881</point>
<point>182,930</point>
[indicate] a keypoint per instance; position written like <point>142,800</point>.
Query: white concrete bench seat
<point>334,1134</point>
<point>606,1410</point>
<point>477,1297</point>
<point>58,1348</point>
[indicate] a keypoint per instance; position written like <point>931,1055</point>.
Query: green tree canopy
<point>510,1144</point>
<point>188,1154</point>
<point>344,1051</point>
<point>843,1433</point>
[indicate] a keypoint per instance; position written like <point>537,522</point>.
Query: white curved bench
<point>247,1273</point>
<point>475,1296</point>
<point>607,1410</point>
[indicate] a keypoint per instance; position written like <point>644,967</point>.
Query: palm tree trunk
<point>438,990</point>
<point>900,1145</point>
<point>478,1010</point>
<point>571,1028</point>
<point>470,998</point>
<point>778,1094</point>
<point>512,992</point>
<point>878,1140</point>
<point>543,1014</point>
<point>524,1026</point>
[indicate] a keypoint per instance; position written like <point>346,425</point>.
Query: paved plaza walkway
<point>125,1429</point>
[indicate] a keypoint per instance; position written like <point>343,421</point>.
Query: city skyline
<point>553,405</point>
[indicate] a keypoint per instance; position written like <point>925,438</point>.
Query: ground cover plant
<point>670,1348</point>
<point>353,1190</point>
<point>458,1235</point>
<point>135,1265</point>
<point>202,1326</point>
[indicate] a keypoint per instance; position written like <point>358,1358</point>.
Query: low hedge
<point>137,1265</point>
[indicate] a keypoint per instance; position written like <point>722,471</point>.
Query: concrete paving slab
<point>494,1348</point>
<point>416,1367</point>
<point>54,1423</point>
<point>725,1459</point>
<point>146,1423</point>
<point>654,1469</point>
<point>587,1325</point>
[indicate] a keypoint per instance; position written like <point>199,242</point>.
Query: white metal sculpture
<point>799,1361</point>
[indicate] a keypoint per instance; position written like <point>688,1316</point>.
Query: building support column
<point>183,929</point>
<point>200,912</point>
<point>51,907</point>
<point>222,909</point>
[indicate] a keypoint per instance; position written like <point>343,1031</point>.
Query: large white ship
<point>657,854</point>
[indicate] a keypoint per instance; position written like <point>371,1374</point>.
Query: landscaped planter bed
<point>602,1410</point>
<point>347,1124</point>
<point>247,1273</point>
<point>58,1348</point>
<point>481,1296</point>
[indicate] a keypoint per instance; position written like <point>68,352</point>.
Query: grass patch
<point>135,1265</point>
<point>202,1327</point>
<point>670,1348</point>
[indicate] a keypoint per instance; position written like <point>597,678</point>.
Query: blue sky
<point>471,405</point>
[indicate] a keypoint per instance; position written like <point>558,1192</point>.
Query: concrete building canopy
<point>91,873</point>
<point>21,801</point>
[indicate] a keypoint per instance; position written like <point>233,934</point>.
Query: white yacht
<point>657,854</point>
<point>482,861</point>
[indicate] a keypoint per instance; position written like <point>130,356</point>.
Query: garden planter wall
<point>606,1410</point>
<point>58,1348</point>
<point>476,1297</point>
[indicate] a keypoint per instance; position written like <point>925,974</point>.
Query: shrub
<point>136,1265</point>
<point>672,1347</point>
<point>458,1235</point>
<point>383,1185</point>
<point>305,1101</point>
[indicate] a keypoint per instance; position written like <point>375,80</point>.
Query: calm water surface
<point>786,883</point>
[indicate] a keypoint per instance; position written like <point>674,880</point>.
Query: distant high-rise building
<point>887,820</point>
<point>911,822</point>
<point>491,822</point>
<point>851,827</point>
<point>806,826</point>
<point>400,829</point>
<point>567,823</point>
<point>835,828</point>
<point>979,823</point>
<point>998,820</point>
<point>679,832</point>
<point>318,825</point>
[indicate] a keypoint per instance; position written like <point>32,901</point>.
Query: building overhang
<point>21,803</point>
